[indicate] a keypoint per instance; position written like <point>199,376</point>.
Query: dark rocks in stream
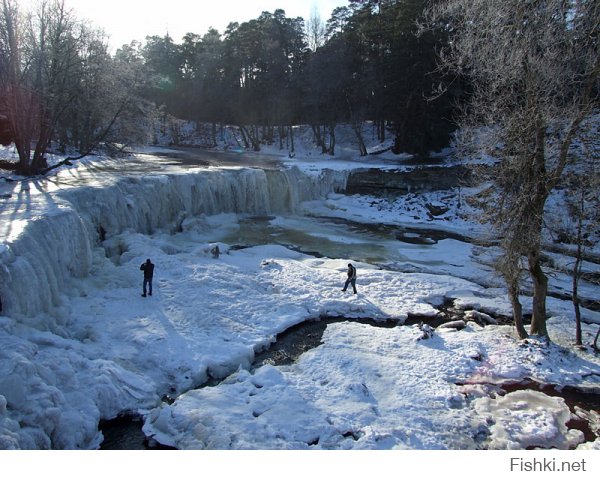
<point>456,317</point>
<point>437,210</point>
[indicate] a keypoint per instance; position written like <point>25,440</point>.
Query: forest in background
<point>61,86</point>
<point>365,63</point>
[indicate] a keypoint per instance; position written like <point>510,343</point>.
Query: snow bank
<point>373,388</point>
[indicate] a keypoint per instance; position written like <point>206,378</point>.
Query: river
<point>246,201</point>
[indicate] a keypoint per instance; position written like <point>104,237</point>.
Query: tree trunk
<point>38,162</point>
<point>361,143</point>
<point>214,134</point>
<point>318,137</point>
<point>250,134</point>
<point>254,138</point>
<point>244,138</point>
<point>176,133</point>
<point>271,134</point>
<point>577,270</point>
<point>540,291</point>
<point>281,135</point>
<point>576,302</point>
<point>20,105</point>
<point>356,126</point>
<point>540,194</point>
<point>331,139</point>
<point>24,152</point>
<point>513,293</point>
<point>292,149</point>
<point>509,265</point>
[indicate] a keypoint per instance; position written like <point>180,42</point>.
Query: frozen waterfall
<point>55,244</point>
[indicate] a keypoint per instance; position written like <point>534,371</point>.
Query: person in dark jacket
<point>351,278</point>
<point>148,269</point>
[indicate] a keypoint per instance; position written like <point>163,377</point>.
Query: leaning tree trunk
<point>38,162</point>
<point>361,142</point>
<point>356,126</point>
<point>244,138</point>
<point>513,293</point>
<point>251,133</point>
<point>509,265</point>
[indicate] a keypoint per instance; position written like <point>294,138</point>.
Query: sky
<point>126,20</point>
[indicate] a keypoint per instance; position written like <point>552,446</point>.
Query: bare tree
<point>316,31</point>
<point>39,54</point>
<point>534,69</point>
<point>18,101</point>
<point>58,81</point>
<point>107,104</point>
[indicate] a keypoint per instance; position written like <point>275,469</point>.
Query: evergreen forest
<point>63,89</point>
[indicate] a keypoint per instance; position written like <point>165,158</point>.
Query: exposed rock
<point>417,180</point>
<point>457,324</point>
<point>480,318</point>
<point>437,209</point>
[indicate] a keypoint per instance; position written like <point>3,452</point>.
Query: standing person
<point>148,269</point>
<point>351,278</point>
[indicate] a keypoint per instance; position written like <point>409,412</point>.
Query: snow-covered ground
<point>100,349</point>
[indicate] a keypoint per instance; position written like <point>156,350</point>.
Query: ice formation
<point>55,245</point>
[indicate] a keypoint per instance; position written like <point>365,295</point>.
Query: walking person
<point>351,278</point>
<point>148,269</point>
